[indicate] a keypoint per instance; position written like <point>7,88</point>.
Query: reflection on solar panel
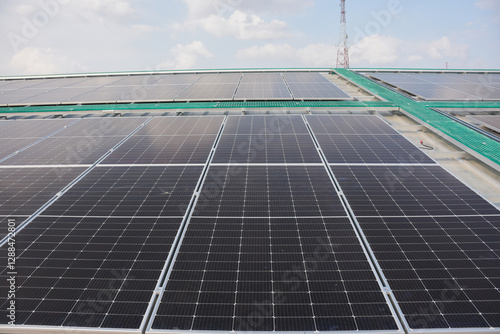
<point>262,90</point>
<point>445,86</point>
<point>163,150</point>
<point>491,122</point>
<point>349,125</point>
<point>313,86</point>
<point>113,191</point>
<point>84,142</point>
<point>209,92</point>
<point>24,190</point>
<point>237,223</point>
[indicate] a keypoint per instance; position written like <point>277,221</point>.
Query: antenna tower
<point>343,47</point>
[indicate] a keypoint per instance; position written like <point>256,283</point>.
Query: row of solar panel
<point>268,248</point>
<point>491,122</point>
<point>230,268</point>
<point>178,87</point>
<point>256,139</point>
<point>445,86</point>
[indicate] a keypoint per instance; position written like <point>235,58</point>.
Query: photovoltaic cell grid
<point>262,139</point>
<point>444,271</point>
<point>435,239</point>
<point>272,274</point>
<point>313,86</point>
<point>89,272</point>
<point>282,198</point>
<point>268,191</point>
<point>169,141</point>
<point>408,191</point>
<point>261,272</point>
<point>365,139</point>
<point>446,86</point>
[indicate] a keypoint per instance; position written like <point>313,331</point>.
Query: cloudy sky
<point>68,36</point>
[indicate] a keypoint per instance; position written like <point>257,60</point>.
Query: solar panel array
<point>445,86</point>
<point>242,223</point>
<point>169,87</point>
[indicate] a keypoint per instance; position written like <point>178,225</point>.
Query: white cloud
<point>186,56</point>
<point>493,6</point>
<point>144,28</point>
<point>374,50</point>
<point>202,8</point>
<point>240,25</point>
<point>107,7</point>
<point>33,60</point>
<point>443,47</point>
<point>312,55</point>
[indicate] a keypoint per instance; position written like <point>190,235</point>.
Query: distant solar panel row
<point>445,86</point>
<point>179,87</point>
<point>491,122</point>
<point>268,245</point>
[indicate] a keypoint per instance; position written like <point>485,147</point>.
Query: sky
<point>81,36</point>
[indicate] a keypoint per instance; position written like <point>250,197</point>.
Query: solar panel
<point>491,122</point>
<point>261,139</point>
<point>179,149</point>
<point>258,78</point>
<point>10,146</point>
<point>220,78</point>
<point>370,149</point>
<point>349,125</point>
<point>102,94</point>
<point>272,274</point>
<point>316,90</point>
<point>445,86</point>
<point>266,148</point>
<point>64,151</point>
<point>84,142</point>
<point>156,93</point>
<point>129,191</point>
<point>444,271</point>
<point>178,79</point>
<point>55,96</point>
<point>262,90</point>
<point>268,245</point>
<point>89,272</point>
<point>209,92</point>
<point>33,128</point>
<point>304,77</point>
<point>408,191</point>
<point>258,125</point>
<point>24,190</point>
<point>175,126</point>
<point>268,191</point>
